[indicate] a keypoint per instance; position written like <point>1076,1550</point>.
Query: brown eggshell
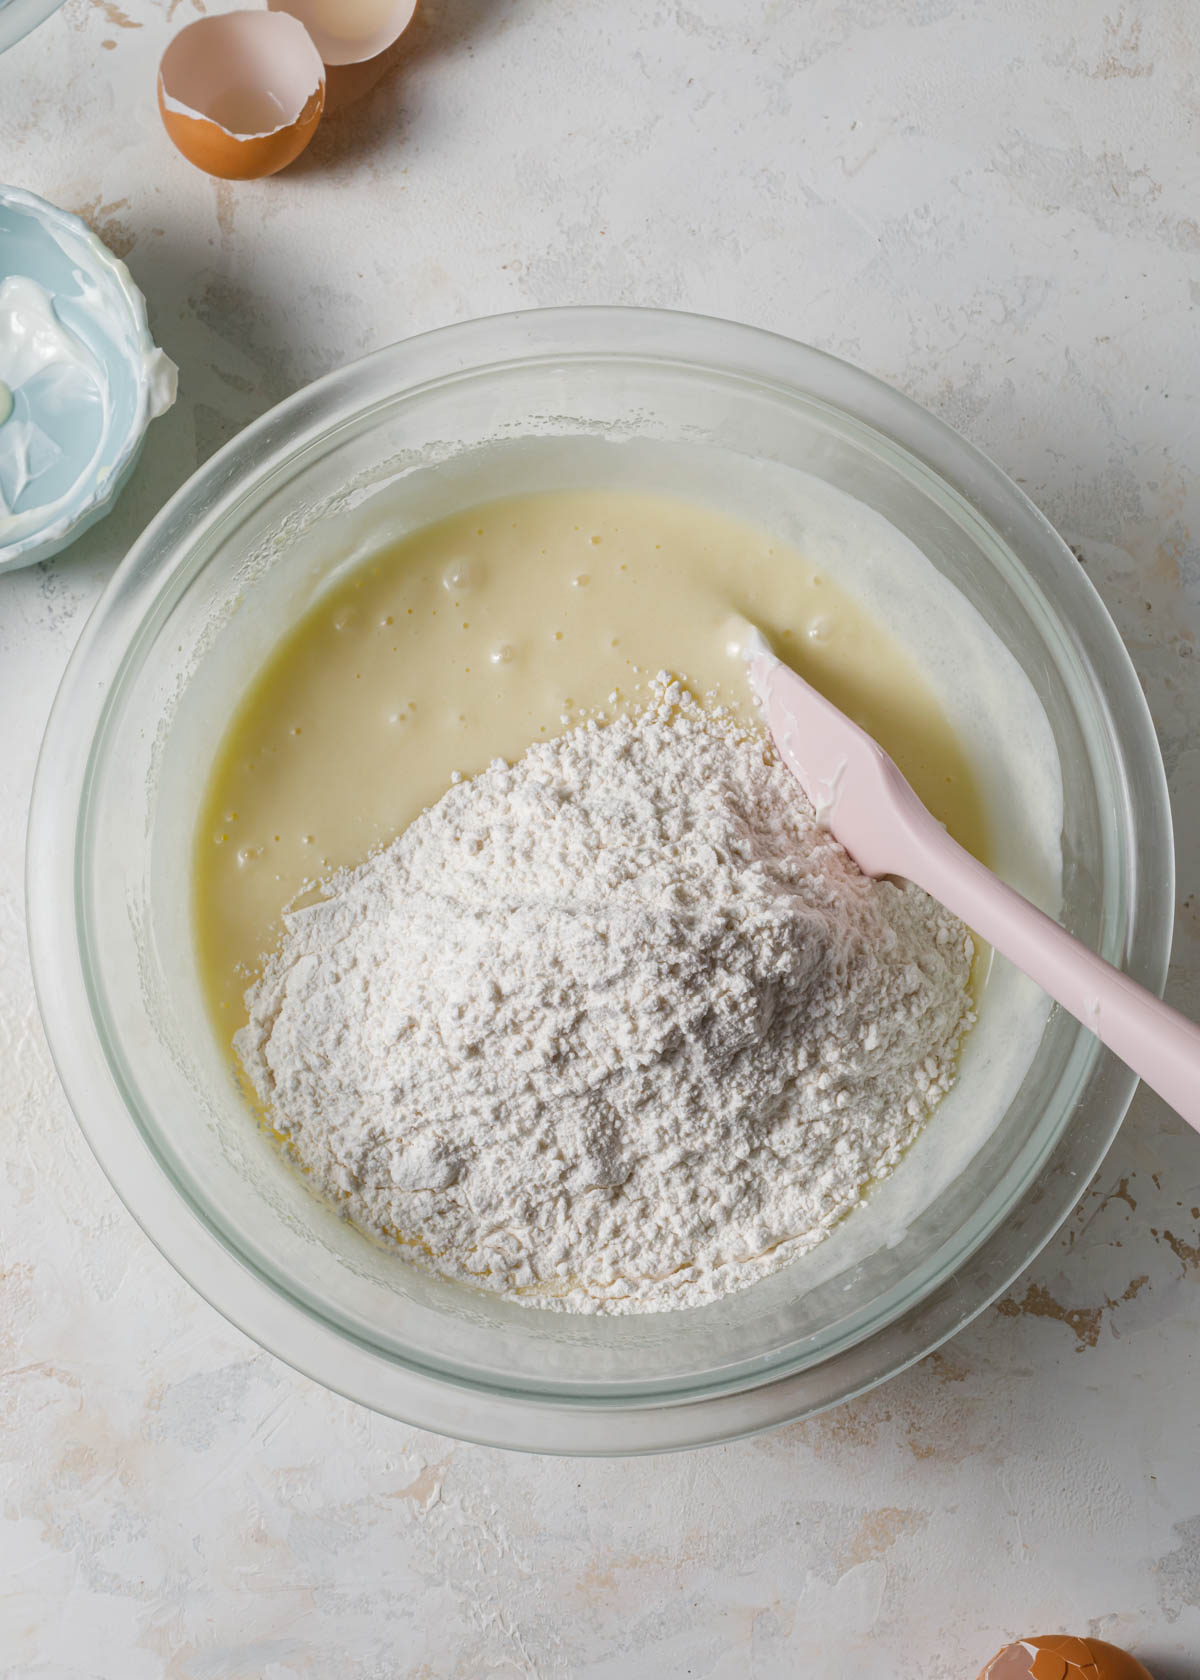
<point>1059,1656</point>
<point>350,31</point>
<point>241,93</point>
<point>346,84</point>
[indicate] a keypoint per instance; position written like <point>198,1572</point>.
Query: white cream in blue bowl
<point>80,377</point>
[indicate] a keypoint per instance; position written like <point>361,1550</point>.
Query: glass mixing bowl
<point>18,17</point>
<point>506,404</point>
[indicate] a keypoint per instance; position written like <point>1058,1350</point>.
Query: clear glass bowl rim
<point>149,577</point>
<point>19,18</point>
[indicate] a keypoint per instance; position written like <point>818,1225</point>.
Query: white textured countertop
<point>991,203</point>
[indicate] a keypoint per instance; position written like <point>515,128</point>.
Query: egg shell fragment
<point>350,31</point>
<point>1059,1656</point>
<point>241,93</point>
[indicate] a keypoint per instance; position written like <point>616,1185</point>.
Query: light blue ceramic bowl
<point>89,436</point>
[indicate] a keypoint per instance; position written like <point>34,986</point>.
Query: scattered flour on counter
<point>615,1029</point>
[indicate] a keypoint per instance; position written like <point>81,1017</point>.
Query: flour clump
<point>615,1028</point>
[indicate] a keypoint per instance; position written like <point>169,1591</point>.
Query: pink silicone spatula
<point>861,797</point>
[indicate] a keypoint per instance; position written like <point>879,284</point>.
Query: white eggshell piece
<point>350,31</point>
<point>251,73</point>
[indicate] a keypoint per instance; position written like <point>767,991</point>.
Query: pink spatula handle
<point>1155,1040</point>
<point>860,793</point>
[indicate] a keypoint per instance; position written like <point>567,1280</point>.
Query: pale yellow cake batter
<point>504,624</point>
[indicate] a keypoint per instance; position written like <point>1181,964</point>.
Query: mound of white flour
<point>616,1028</point>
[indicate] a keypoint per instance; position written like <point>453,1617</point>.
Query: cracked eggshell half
<point>350,31</point>
<point>241,93</point>
<point>1058,1656</point>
